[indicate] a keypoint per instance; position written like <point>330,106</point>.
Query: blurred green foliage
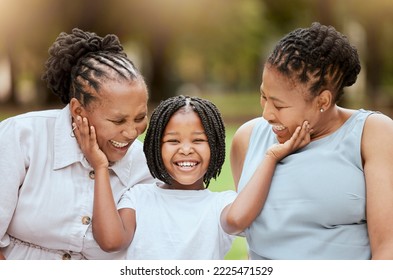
<point>194,46</point>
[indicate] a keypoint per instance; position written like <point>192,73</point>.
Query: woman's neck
<point>332,120</point>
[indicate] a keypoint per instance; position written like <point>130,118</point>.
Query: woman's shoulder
<point>243,133</point>
<point>33,116</point>
<point>248,126</point>
<point>378,125</point>
<point>377,117</point>
<point>30,123</point>
<point>377,134</point>
<point>239,146</point>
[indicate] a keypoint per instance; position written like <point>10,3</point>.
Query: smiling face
<point>185,150</point>
<point>119,115</point>
<point>284,104</point>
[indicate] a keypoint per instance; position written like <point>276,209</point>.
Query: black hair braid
<point>318,55</point>
<point>81,59</point>
<point>215,131</point>
<point>213,126</point>
<point>152,142</point>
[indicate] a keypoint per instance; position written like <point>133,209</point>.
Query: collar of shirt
<point>67,151</point>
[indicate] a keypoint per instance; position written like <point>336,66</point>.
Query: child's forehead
<point>185,115</point>
<point>184,120</point>
<point>187,108</point>
<point>184,123</point>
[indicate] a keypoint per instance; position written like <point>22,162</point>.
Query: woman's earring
<point>72,131</point>
<point>321,110</point>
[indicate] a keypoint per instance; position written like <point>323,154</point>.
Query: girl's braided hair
<point>213,126</point>
<point>319,55</point>
<point>81,60</point>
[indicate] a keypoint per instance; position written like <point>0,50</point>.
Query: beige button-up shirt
<point>46,188</point>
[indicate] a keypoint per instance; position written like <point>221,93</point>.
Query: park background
<point>209,48</point>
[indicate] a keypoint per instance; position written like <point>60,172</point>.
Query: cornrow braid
<point>319,55</point>
<point>82,60</point>
<point>213,125</point>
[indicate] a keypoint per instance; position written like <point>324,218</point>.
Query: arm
<point>112,229</point>
<point>377,154</point>
<point>14,164</point>
<point>239,215</point>
<point>239,149</point>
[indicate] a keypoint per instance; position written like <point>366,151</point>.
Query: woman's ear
<point>76,107</point>
<point>325,100</point>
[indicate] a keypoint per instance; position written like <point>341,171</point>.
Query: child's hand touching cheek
<point>300,138</point>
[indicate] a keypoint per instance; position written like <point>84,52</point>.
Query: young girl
<point>179,218</point>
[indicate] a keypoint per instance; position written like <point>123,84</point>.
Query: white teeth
<point>279,127</point>
<point>186,164</point>
<point>118,144</point>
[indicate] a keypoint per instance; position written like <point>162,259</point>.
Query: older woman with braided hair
<point>46,202</point>
<point>333,199</point>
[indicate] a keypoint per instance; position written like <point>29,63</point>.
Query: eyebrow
<point>200,133</point>
<point>116,114</point>
<point>273,98</point>
<point>124,116</point>
<point>175,133</point>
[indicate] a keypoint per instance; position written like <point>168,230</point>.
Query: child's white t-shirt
<point>177,224</point>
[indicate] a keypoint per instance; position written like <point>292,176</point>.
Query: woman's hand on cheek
<point>87,140</point>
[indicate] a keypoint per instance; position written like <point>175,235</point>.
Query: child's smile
<point>185,150</point>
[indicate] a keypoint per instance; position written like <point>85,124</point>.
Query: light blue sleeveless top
<point>316,207</point>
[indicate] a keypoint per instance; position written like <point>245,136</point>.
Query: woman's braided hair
<point>81,60</point>
<point>211,121</point>
<point>319,55</point>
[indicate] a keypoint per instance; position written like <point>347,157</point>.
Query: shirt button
<point>91,174</point>
<point>66,256</point>
<point>86,220</point>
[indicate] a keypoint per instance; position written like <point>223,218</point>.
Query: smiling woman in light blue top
<point>332,199</point>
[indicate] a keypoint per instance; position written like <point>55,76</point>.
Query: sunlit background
<point>196,46</point>
<point>210,48</point>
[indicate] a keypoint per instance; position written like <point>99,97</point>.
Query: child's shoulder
<point>143,186</point>
<point>227,196</point>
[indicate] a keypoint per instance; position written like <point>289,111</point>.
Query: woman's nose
<point>130,132</point>
<point>267,113</point>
